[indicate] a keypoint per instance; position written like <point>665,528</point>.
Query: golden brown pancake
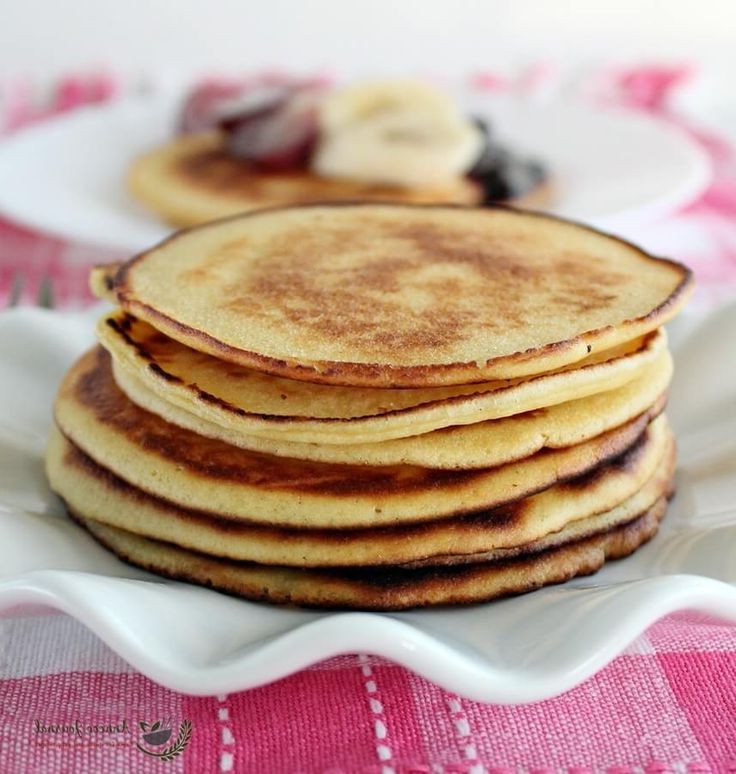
<point>205,474</point>
<point>400,296</point>
<point>480,445</point>
<point>621,488</point>
<point>101,280</point>
<point>385,588</point>
<point>193,179</point>
<point>247,401</point>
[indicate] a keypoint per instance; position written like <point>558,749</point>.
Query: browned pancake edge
<point>386,588</point>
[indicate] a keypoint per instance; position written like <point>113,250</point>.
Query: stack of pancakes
<point>374,406</point>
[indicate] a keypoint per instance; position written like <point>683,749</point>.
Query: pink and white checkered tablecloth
<point>668,704</point>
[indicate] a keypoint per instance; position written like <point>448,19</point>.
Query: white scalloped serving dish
<point>67,175</point>
<point>522,649</point>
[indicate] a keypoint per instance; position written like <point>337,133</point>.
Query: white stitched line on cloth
<point>383,750</point>
<point>462,734</point>
<point>227,758</point>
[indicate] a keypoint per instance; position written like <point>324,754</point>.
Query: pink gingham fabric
<point>668,704</point>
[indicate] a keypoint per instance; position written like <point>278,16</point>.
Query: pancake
<point>480,445</point>
<point>621,489</point>
<point>385,588</point>
<point>192,179</point>
<point>101,280</point>
<point>382,295</point>
<point>247,401</point>
<point>205,474</point>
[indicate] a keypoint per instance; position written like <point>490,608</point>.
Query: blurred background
<point>449,36</point>
<point>171,40</point>
<point>663,176</point>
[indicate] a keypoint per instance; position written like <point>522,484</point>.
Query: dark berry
<point>503,174</point>
<point>278,132</point>
<point>199,112</point>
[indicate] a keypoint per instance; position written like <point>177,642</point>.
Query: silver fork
<point>44,297</point>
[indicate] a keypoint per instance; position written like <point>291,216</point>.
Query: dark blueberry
<point>491,160</point>
<point>503,174</point>
<point>495,186</point>
<point>506,176</point>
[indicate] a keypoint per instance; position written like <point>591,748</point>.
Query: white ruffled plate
<point>522,649</point>
<point>611,168</point>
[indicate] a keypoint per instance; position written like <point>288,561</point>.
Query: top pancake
<point>193,179</point>
<point>399,295</point>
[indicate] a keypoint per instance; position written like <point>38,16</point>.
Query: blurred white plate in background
<point>610,168</point>
<point>614,169</point>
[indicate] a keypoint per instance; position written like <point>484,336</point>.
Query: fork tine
<point>45,298</point>
<point>16,290</point>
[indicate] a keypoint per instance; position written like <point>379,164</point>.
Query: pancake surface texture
<point>192,180</point>
<point>205,474</point>
<point>245,400</point>
<point>372,406</point>
<point>384,588</point>
<point>400,296</point>
<point>621,489</point>
<point>478,445</point>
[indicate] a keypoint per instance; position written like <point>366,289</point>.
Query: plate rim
<point>163,104</point>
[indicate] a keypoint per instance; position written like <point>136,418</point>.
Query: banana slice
<point>363,101</point>
<point>402,133</point>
